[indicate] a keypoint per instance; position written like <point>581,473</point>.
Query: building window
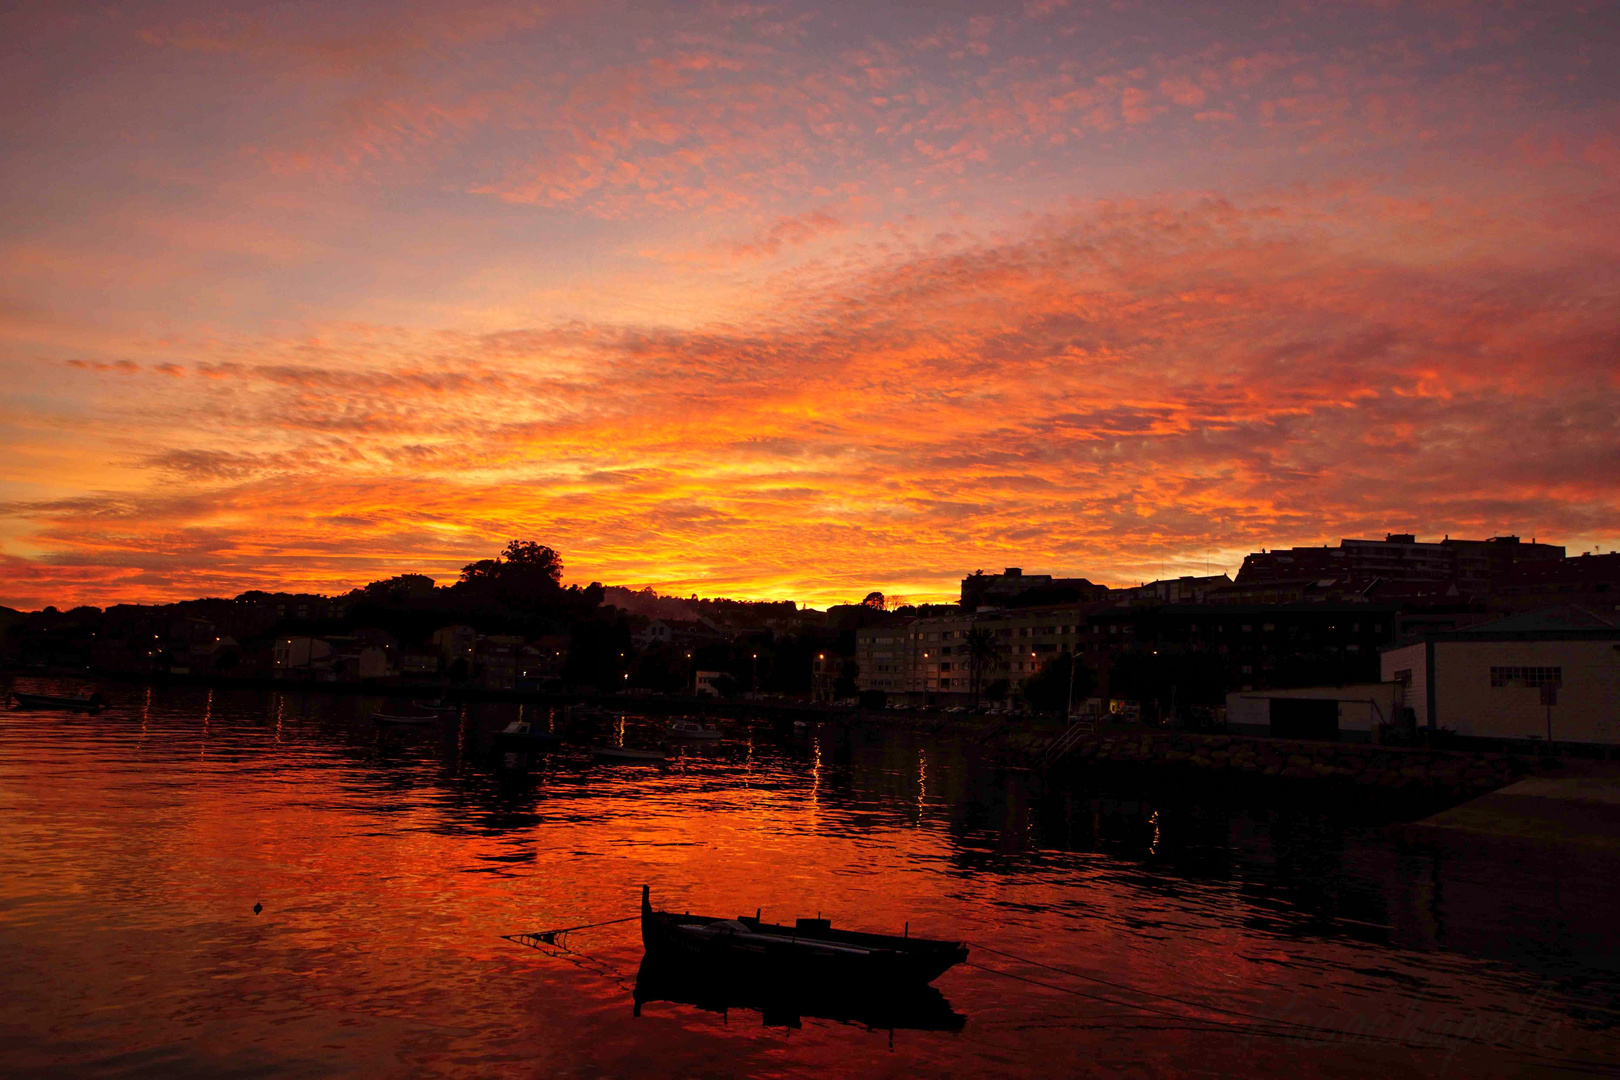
<point>1527,676</point>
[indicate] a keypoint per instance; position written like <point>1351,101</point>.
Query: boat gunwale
<point>884,957</point>
<point>866,939</point>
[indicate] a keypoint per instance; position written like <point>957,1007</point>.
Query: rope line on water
<point>584,961</point>
<point>550,936</point>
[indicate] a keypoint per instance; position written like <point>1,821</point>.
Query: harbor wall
<point>1347,765</point>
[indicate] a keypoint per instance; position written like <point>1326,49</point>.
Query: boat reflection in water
<point>781,1004</point>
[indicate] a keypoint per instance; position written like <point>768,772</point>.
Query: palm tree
<point>981,647</point>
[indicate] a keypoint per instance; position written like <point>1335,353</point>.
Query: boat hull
<point>696,734</point>
<point>819,957</point>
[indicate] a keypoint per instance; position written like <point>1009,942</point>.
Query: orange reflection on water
<point>389,864</point>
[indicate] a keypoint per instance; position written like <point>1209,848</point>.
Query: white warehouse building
<point>1516,677</point>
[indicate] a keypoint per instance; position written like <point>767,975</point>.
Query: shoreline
<point>650,703</point>
<point>1451,792</point>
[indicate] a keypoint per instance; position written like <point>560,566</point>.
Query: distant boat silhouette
<point>691,729</point>
<point>92,703</point>
<point>521,735</point>
<point>402,720</point>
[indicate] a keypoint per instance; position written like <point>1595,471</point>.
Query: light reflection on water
<point>134,844</point>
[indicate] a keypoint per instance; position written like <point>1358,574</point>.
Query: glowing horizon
<point>793,301</point>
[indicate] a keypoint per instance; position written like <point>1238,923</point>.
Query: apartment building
<point>1400,557</point>
<point>933,658</point>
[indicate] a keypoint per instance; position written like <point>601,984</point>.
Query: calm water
<point>1253,941</point>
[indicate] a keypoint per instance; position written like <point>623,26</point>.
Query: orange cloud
<point>1119,387</point>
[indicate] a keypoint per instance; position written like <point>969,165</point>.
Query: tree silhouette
<point>1048,690</point>
<point>981,647</point>
<point>525,573</point>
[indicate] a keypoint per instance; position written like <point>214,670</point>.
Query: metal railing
<point>1065,742</point>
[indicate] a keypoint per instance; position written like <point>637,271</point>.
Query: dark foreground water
<point>1195,936</point>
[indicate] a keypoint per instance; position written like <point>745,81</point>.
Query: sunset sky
<point>796,301</point>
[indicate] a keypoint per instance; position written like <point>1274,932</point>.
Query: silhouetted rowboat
<point>57,701</point>
<point>623,753</point>
<point>808,954</point>
<point>396,720</point>
<point>436,706</point>
<point>521,735</point>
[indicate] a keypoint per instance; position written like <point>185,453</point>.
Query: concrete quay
<point>1456,773</point>
<point>1578,807</point>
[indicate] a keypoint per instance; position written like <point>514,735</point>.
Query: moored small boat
<point>808,953</point>
<point>624,753</point>
<point>91,703</point>
<point>521,735</point>
<point>436,706</point>
<point>398,719</point>
<point>691,729</point>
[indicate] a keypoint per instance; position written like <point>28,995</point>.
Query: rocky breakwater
<point>1349,764</point>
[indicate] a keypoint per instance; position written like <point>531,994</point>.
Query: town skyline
<point>1265,570</point>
